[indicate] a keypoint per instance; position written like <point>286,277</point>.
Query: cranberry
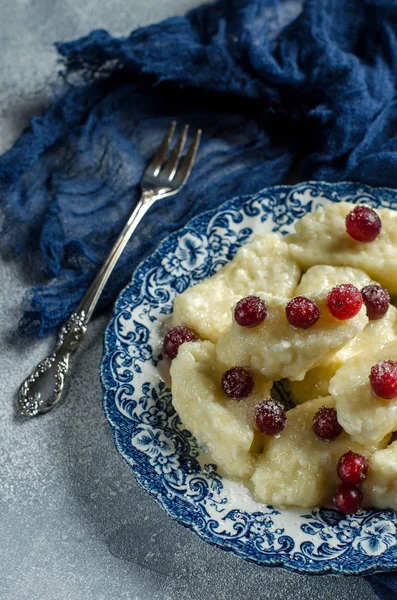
<point>250,311</point>
<point>348,499</point>
<point>376,300</point>
<point>352,468</point>
<point>325,424</point>
<point>363,224</point>
<point>174,338</point>
<point>237,383</point>
<point>383,379</point>
<point>270,416</point>
<point>344,301</point>
<point>302,312</point>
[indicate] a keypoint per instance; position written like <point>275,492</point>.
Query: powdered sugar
<point>383,379</point>
<point>270,416</point>
<point>376,300</point>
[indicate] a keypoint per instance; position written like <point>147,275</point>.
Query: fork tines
<point>175,170</point>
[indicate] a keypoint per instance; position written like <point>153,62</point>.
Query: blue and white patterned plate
<point>163,456</point>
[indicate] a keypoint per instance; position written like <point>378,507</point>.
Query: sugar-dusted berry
<point>352,468</point>
<point>383,379</point>
<point>348,499</point>
<point>363,224</point>
<point>174,338</point>
<point>325,424</point>
<point>376,300</point>
<point>270,416</point>
<point>237,383</point>
<point>344,301</point>
<point>250,311</point>
<point>302,312</point>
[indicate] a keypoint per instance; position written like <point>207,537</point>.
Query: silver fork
<point>43,389</point>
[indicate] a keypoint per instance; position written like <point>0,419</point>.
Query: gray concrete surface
<point>73,524</point>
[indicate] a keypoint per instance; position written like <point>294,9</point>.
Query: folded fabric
<point>384,585</point>
<point>275,86</point>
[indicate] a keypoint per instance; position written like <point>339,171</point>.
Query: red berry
<point>174,338</point>
<point>383,379</point>
<point>302,312</point>
<point>325,424</point>
<point>250,311</point>
<point>348,499</point>
<point>352,468</point>
<point>376,300</point>
<point>344,301</point>
<point>363,224</point>
<point>270,416</point>
<point>237,383</point>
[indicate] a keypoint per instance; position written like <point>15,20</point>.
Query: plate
<point>163,455</point>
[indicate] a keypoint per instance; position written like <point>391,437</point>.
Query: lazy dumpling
<point>296,468</point>
<point>264,264</point>
<point>321,238</point>
<point>277,350</point>
<point>223,426</point>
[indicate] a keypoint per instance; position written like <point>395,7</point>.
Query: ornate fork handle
<point>43,389</point>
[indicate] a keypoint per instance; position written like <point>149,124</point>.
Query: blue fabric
<point>276,88</point>
<point>384,585</point>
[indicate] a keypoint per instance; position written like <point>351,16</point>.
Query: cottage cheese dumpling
<point>316,381</point>
<point>277,350</point>
<point>314,384</point>
<point>380,487</point>
<point>327,364</point>
<point>325,277</point>
<point>384,330</point>
<point>321,238</point>
<point>264,264</point>
<point>296,468</point>
<point>322,277</point>
<point>362,414</point>
<point>224,427</point>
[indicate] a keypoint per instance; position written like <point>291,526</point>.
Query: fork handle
<point>43,389</point>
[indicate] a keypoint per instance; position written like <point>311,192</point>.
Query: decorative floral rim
<point>164,457</point>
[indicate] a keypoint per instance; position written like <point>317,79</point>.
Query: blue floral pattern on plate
<point>163,455</point>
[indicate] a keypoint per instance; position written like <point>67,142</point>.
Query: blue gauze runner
<point>277,89</point>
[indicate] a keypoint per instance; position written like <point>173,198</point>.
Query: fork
<point>43,389</point>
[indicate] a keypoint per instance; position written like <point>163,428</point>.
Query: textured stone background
<point>73,524</point>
